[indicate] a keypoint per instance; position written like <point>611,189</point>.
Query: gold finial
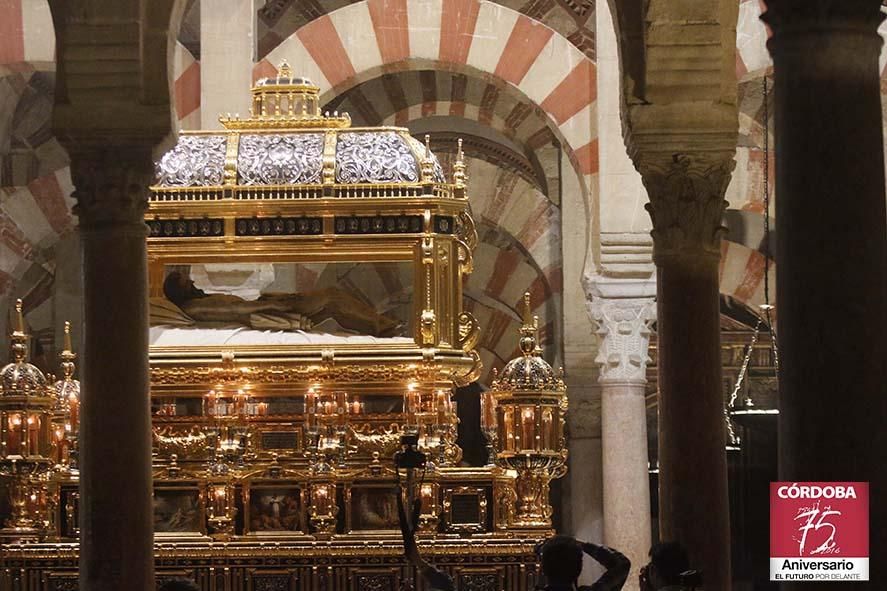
<point>529,329</point>
<point>19,339</point>
<point>284,72</point>
<point>68,356</point>
<point>459,167</point>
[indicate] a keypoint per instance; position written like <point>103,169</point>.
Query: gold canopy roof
<point>20,378</point>
<point>529,372</point>
<point>286,141</point>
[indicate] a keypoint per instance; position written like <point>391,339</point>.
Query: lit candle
<point>220,500</point>
<point>60,445</point>
<point>210,400</point>
<point>486,411</point>
<point>14,435</point>
<point>429,502</point>
<point>33,433</point>
<point>547,431</point>
<point>441,407</point>
<point>262,408</point>
<point>240,403</point>
<point>321,498</point>
<point>342,408</point>
<point>410,406</point>
<point>310,408</point>
<point>528,424</point>
<point>74,411</point>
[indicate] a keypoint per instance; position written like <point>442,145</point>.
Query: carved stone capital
<point>624,326</point>
<point>111,186</point>
<point>687,203</point>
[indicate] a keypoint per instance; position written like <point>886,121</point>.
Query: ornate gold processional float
<point>306,315</point>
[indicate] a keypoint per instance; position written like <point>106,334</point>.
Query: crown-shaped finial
<point>284,71</point>
<point>67,355</point>
<point>285,101</point>
<point>19,339</point>
<point>529,330</point>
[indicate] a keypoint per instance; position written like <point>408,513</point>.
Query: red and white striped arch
<point>186,88</point>
<point>360,41</point>
<point>741,274</point>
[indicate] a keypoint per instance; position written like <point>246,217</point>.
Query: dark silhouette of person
<point>289,309</point>
<point>562,564</point>
<point>668,568</point>
<point>434,578</point>
<point>178,584</point>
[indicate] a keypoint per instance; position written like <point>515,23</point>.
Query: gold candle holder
<point>27,438</point>
<point>530,401</point>
<point>220,509</point>
<point>429,518</point>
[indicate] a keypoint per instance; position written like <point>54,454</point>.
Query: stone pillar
<point>686,193</point>
<point>624,311</point>
<point>584,474</point>
<point>227,49</point>
<point>831,239</point>
<point>116,539</point>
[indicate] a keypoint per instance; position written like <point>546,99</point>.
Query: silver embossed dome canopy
<point>286,141</point>
<point>383,156</point>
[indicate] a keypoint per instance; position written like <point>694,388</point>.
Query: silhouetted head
<point>179,585</point>
<point>178,288</point>
<point>561,560</point>
<point>667,561</point>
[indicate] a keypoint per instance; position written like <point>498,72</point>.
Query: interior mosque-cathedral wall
<point>533,87</point>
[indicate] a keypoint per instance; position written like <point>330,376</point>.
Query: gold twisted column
<point>116,526</point>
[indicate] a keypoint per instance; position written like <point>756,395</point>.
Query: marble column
<point>624,311</point>
<point>686,192</point>
<point>584,475</point>
<point>116,539</point>
<point>831,252</point>
<point>227,49</point>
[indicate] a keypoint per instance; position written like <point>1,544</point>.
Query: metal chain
<point>744,368</point>
<point>767,307</point>
<point>766,194</point>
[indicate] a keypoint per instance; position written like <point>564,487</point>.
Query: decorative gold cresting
<point>459,167</point>
<point>18,338</point>
<point>285,102</point>
<point>427,163</point>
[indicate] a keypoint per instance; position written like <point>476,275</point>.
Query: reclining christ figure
<point>280,311</point>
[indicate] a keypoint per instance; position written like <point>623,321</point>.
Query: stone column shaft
<point>116,523</point>
<point>624,327</point>
<point>686,204</point>
<point>693,498</point>
<point>625,475</point>
<point>831,236</point>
